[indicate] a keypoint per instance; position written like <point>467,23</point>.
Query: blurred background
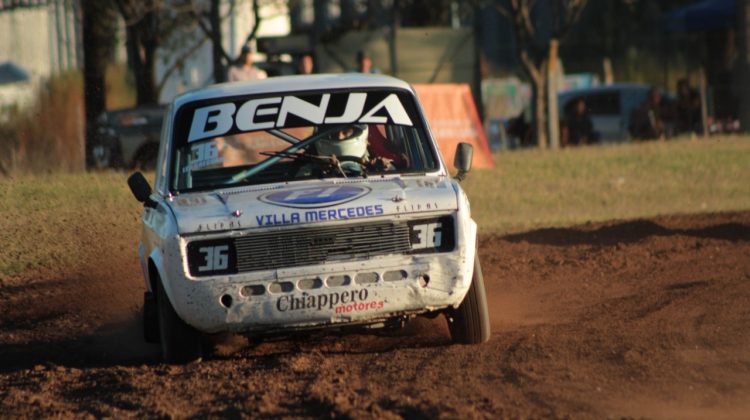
<point>83,83</point>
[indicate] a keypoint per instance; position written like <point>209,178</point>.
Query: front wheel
<point>470,322</point>
<point>150,318</point>
<point>180,343</point>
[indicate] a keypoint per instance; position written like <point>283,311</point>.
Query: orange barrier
<point>453,118</point>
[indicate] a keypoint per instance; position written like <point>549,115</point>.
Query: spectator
<point>244,69</point>
<point>652,119</point>
<point>688,108</point>
<point>364,63</point>
<point>519,129</point>
<point>306,64</point>
<point>578,129</point>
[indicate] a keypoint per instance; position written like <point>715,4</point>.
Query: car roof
<point>285,84</point>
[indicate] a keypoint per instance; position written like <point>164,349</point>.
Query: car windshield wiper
<point>247,173</point>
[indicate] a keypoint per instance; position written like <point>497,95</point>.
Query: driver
<point>350,146</point>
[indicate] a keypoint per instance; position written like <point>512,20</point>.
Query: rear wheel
<point>180,343</point>
<point>470,322</point>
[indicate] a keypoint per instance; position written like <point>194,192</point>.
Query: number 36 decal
<point>434,235</point>
<point>216,257</point>
<point>212,257</point>
<point>427,236</point>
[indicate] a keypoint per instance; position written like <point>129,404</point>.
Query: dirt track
<point>647,318</point>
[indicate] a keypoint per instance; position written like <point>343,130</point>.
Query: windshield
<point>256,140</point>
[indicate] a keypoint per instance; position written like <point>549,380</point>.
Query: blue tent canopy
<point>702,16</point>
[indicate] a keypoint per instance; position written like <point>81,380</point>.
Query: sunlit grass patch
<point>534,188</point>
<point>59,219</point>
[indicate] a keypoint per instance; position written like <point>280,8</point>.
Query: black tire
<point>470,322</point>
<point>180,343</point>
<point>150,318</point>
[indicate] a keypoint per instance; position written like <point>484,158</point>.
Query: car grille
<point>300,247</point>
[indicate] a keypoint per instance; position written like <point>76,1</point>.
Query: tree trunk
<point>551,91</point>
<point>540,114</point>
<point>217,50</point>
<point>98,38</point>
<point>538,76</point>
<point>533,56</point>
<point>141,45</point>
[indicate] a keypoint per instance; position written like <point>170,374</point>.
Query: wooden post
<point>704,102</point>
<point>553,122</point>
<point>609,75</point>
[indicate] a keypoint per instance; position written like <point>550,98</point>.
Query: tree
<point>210,21</point>
<point>533,42</point>
<point>152,23</point>
<point>99,39</point>
<point>143,34</point>
<point>171,25</point>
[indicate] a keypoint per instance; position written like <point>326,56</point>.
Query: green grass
<point>54,220</point>
<point>73,219</point>
<point>534,188</point>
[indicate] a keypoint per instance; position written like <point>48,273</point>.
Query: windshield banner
<point>267,113</point>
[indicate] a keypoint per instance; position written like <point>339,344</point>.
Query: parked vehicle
<point>304,202</point>
<point>609,106</point>
<point>128,137</point>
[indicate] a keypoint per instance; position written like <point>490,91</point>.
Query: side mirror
<point>462,160</point>
<point>141,189</point>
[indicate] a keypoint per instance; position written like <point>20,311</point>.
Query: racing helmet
<point>349,141</point>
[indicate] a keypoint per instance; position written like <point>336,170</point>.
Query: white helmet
<point>350,141</point>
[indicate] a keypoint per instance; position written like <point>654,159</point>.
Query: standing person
<point>244,69</point>
<point>687,108</point>
<point>306,64</point>
<point>653,118</point>
<point>578,128</point>
<point>364,63</point>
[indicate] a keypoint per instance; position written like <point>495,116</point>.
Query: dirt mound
<point>625,319</point>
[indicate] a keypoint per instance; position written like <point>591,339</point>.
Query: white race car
<point>304,202</point>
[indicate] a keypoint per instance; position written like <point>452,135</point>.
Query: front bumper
<point>329,295</point>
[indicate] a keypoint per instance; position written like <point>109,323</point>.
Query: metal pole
<point>232,31</point>
<point>393,40</point>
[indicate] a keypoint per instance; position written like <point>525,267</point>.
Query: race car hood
<point>311,202</point>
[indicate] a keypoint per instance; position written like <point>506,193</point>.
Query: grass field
<point>535,188</point>
<point>53,220</point>
<point>61,219</point>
